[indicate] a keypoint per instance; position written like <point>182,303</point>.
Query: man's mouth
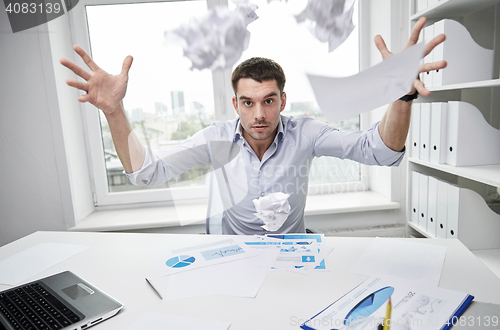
<point>259,128</point>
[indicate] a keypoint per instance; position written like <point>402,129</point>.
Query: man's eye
<point>269,101</point>
<point>247,103</point>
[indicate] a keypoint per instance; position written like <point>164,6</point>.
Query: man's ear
<point>235,104</point>
<point>283,101</point>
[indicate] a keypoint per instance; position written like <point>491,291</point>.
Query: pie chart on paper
<point>180,261</point>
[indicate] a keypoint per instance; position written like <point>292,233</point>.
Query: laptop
<point>60,301</point>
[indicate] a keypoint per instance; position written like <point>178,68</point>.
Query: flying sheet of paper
<point>413,261</point>
<point>192,257</point>
<point>241,278</point>
<point>26,264</point>
<point>156,321</point>
<point>342,98</point>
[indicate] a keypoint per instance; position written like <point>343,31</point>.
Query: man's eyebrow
<point>271,95</point>
<point>243,97</point>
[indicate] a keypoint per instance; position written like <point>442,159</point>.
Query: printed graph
<point>180,261</point>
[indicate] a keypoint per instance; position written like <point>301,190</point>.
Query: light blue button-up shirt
<point>241,177</point>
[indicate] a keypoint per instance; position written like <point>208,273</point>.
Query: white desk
<point>118,263</point>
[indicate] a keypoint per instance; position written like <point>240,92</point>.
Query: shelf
<point>487,174</point>
<point>419,230</point>
<point>475,84</point>
<point>453,8</point>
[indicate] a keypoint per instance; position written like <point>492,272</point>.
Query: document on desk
<point>156,321</point>
<point>34,260</point>
<point>414,307</point>
<point>410,260</point>
<point>295,255</point>
<point>241,278</point>
<point>342,98</point>
<point>203,255</point>
<point>283,261</point>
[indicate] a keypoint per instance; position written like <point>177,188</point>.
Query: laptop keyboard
<point>32,307</point>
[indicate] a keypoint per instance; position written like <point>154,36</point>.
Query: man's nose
<point>259,112</point>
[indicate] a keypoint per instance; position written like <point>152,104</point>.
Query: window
<point>166,101</point>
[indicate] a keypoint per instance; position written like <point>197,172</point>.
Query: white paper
<point>342,98</point>
<point>300,253</point>
<point>247,9</point>
<point>414,306</point>
<point>300,256</point>
<point>273,209</point>
<point>32,261</point>
<point>203,255</point>
<point>241,278</point>
<point>331,20</point>
<point>413,261</point>
<point>156,321</point>
<point>216,40</point>
<point>323,250</point>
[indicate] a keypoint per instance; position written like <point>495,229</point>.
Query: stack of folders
<point>435,205</point>
<point>454,133</point>
<point>466,60</point>
<point>445,210</point>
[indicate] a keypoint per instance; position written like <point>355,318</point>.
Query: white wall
<point>36,191</point>
<point>31,193</point>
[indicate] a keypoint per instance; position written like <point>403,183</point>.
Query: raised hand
<point>103,90</point>
<point>418,85</point>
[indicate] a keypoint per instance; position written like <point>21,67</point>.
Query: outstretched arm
<point>106,92</point>
<point>395,123</point>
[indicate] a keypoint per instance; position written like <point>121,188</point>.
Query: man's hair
<point>259,69</point>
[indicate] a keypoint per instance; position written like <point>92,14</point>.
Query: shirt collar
<point>238,134</point>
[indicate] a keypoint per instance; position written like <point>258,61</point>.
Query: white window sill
<point>167,216</point>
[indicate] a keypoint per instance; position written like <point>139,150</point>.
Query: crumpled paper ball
<point>216,40</point>
<point>247,9</point>
<point>332,20</point>
<point>273,209</point>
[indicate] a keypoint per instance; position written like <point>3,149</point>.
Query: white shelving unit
<point>482,20</point>
<point>487,174</point>
<point>471,85</point>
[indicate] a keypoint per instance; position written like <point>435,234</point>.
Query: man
<point>261,152</point>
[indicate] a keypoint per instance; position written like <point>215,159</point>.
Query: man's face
<point>259,105</point>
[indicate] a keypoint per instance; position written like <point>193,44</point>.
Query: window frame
<point>223,111</point>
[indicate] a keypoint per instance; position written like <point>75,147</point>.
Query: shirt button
<point>262,194</point>
<point>260,171</point>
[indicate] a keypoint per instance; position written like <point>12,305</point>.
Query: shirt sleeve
<point>365,147</point>
<point>163,165</point>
